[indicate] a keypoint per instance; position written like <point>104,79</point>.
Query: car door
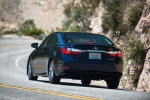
<point>49,51</point>
<point>38,58</point>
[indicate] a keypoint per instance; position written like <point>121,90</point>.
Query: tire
<point>85,82</point>
<point>30,73</point>
<point>113,83</point>
<point>52,78</point>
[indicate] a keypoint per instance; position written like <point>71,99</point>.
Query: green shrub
<point>76,14</point>
<point>105,22</point>
<point>12,31</point>
<point>113,16</point>
<point>29,28</point>
<point>89,12</point>
<point>149,30</point>
<point>95,3</point>
<point>133,50</point>
<point>65,24</point>
<point>28,24</point>
<point>67,9</point>
<point>134,17</point>
<point>33,31</point>
<point>134,14</point>
<point>137,54</point>
<point>136,51</point>
<point>121,15</point>
<point>74,27</point>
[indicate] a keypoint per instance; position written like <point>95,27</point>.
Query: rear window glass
<point>87,39</point>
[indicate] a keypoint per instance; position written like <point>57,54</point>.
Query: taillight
<point>71,51</point>
<point>120,70</point>
<point>116,53</point>
<point>65,67</point>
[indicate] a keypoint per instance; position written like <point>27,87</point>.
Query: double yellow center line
<point>49,92</point>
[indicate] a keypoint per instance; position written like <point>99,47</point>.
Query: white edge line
<point>17,61</point>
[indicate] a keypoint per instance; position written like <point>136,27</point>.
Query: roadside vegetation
<point>124,18</point>
<point>134,51</point>
<point>27,28</point>
<point>121,16</point>
<point>119,19</point>
<point>12,31</point>
<point>77,17</point>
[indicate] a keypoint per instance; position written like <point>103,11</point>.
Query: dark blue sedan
<point>74,55</point>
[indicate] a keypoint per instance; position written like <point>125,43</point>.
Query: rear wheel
<point>85,81</point>
<point>30,73</point>
<point>52,78</point>
<point>113,83</point>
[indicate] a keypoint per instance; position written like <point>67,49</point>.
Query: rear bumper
<point>91,66</point>
<point>90,75</point>
<point>89,70</point>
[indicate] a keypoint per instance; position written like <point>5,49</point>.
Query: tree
<point>113,17</point>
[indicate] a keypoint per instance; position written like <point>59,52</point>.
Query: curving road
<point>14,84</point>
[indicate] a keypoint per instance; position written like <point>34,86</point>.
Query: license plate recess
<point>96,56</point>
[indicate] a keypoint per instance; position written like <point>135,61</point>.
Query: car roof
<point>74,33</point>
<point>81,33</point>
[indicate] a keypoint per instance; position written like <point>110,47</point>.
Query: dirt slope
<point>47,14</point>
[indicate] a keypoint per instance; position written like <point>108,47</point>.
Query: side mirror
<point>34,45</point>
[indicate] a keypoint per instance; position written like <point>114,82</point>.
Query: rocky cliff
<point>144,80</point>
<point>144,22</point>
<point>143,28</point>
<point>10,14</point>
<point>96,22</point>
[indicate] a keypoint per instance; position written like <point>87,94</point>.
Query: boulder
<point>144,80</point>
<point>129,76</point>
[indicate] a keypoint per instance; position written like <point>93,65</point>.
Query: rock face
<point>10,14</point>
<point>143,28</point>
<point>129,76</point>
<point>96,22</point>
<point>10,10</point>
<point>144,81</point>
<point>144,23</point>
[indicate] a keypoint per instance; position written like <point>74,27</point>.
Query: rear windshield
<point>87,39</point>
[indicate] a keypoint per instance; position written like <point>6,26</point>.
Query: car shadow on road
<point>80,85</point>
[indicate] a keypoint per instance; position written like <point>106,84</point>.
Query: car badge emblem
<point>95,48</point>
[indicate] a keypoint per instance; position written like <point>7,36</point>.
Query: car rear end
<point>90,56</point>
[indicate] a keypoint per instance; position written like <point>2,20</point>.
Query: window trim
<point>46,39</point>
<point>56,43</point>
<point>64,36</point>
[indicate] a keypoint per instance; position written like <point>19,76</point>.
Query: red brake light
<point>116,53</point>
<point>65,51</point>
<point>71,51</point>
<point>90,42</point>
<point>120,53</point>
<point>65,67</point>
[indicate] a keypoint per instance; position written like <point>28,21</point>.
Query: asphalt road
<point>14,83</point>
